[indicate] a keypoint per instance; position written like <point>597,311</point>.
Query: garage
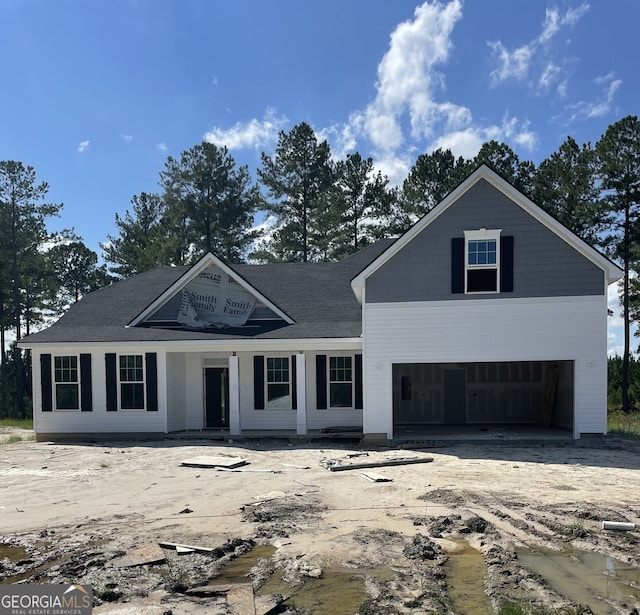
<point>511,393</point>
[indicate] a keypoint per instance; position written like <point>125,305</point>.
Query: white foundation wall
<point>99,420</point>
<point>540,329</point>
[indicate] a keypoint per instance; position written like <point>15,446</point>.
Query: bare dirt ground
<point>69,511</point>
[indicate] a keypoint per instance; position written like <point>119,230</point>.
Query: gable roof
<point>483,172</point>
<point>315,297</point>
<point>206,261</point>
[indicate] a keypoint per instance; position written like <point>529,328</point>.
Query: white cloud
<point>126,138</point>
<point>536,56</point>
<point>252,134</point>
<point>341,138</point>
<point>408,79</point>
<point>83,146</point>
<point>603,104</point>
<point>162,147</point>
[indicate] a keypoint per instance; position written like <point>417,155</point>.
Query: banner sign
<point>215,299</point>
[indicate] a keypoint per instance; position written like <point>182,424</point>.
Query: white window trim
<point>143,381</point>
<point>266,383</point>
<point>353,384</point>
<point>77,383</point>
<point>482,234</point>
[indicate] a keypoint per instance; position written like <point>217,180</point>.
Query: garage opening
<point>511,393</point>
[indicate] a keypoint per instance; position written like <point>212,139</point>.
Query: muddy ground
<point>74,513</point>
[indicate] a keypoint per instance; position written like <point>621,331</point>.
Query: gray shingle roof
<point>317,296</point>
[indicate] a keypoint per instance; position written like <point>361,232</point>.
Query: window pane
<point>67,397</point>
<point>131,368</point>
<point>132,396</point>
<point>278,369</point>
<point>66,369</point>
<point>340,395</point>
<point>482,280</point>
<point>278,397</point>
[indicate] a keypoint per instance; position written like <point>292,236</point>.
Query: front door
<point>455,383</point>
<point>216,398</point>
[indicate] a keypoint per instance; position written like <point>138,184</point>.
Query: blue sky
<point>96,95</point>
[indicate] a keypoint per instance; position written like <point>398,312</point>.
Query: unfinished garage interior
<point>534,393</point>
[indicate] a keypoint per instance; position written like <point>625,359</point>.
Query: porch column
<point>301,394</point>
<point>234,396</point>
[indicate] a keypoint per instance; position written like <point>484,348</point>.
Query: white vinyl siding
<point>545,329</point>
<point>99,420</point>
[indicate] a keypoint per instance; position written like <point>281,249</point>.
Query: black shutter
<point>258,382</point>
<point>506,264</point>
<point>321,381</point>
<point>86,393</point>
<point>151,365</point>
<point>111,381</point>
<point>358,382</point>
<point>294,382</point>
<point>45,383</point>
<point>457,265</point>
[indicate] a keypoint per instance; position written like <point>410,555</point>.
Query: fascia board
<point>204,346</point>
<point>201,265</point>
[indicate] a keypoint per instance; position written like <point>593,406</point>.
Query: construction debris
<point>174,545</point>
<point>338,465</point>
<point>147,554</point>
<point>214,462</point>
<point>618,525</point>
<point>376,478</point>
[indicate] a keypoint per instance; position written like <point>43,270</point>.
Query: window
<point>278,383</point>
<point>66,379</point>
<point>131,382</point>
<point>482,261</point>
<point>340,382</point>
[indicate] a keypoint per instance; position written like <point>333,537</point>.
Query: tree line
<point>315,208</point>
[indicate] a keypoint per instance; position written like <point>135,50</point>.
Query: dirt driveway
<point>407,535</point>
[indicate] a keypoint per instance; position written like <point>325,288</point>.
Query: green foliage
<point>23,235</point>
<point>565,186</point>
<point>614,383</point>
<point>430,179</point>
<point>358,198</point>
<point>210,202</point>
<point>504,161</point>
<point>618,159</point>
<point>140,243</point>
<point>74,271</point>
<point>19,423</point>
<point>298,178</point>
<point>625,424</point>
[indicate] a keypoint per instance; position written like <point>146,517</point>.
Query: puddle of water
<point>465,577</point>
<point>584,577</point>
<point>13,552</point>
<point>339,591</point>
<point>237,569</point>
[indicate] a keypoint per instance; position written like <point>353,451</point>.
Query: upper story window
<point>67,382</point>
<point>482,261</point>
